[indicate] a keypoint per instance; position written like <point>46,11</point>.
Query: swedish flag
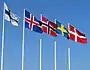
<point>62,30</point>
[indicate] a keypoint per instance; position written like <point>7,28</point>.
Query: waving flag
<point>53,28</point>
<point>48,27</point>
<point>62,30</point>
<point>9,16</point>
<point>76,35</point>
<point>32,23</point>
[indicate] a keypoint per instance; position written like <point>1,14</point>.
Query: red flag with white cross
<point>76,35</point>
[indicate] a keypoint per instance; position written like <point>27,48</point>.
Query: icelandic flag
<point>9,16</point>
<point>32,23</point>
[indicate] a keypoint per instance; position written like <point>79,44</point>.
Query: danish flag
<point>76,35</point>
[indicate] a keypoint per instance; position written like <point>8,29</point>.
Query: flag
<point>48,27</point>
<point>9,16</point>
<point>32,23</point>
<point>76,35</point>
<point>62,30</point>
<point>53,28</point>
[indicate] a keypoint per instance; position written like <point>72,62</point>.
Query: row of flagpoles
<point>73,33</point>
<point>45,26</point>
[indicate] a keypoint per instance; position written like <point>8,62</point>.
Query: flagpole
<point>68,58</point>
<point>2,54</point>
<point>40,53</point>
<point>55,55</point>
<point>23,41</point>
<point>40,49</point>
<point>55,52</point>
<point>68,54</point>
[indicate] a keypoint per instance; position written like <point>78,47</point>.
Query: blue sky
<point>75,12</point>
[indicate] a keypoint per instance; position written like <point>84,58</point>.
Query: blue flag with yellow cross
<point>62,30</point>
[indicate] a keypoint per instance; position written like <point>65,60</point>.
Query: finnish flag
<point>9,16</point>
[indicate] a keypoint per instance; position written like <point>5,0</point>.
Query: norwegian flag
<point>32,23</point>
<point>48,27</point>
<point>76,35</point>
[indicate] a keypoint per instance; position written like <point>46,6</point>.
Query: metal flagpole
<point>68,54</point>
<point>55,52</point>
<point>68,58</point>
<point>2,54</point>
<point>54,55</point>
<point>40,53</point>
<point>41,48</point>
<point>23,41</point>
